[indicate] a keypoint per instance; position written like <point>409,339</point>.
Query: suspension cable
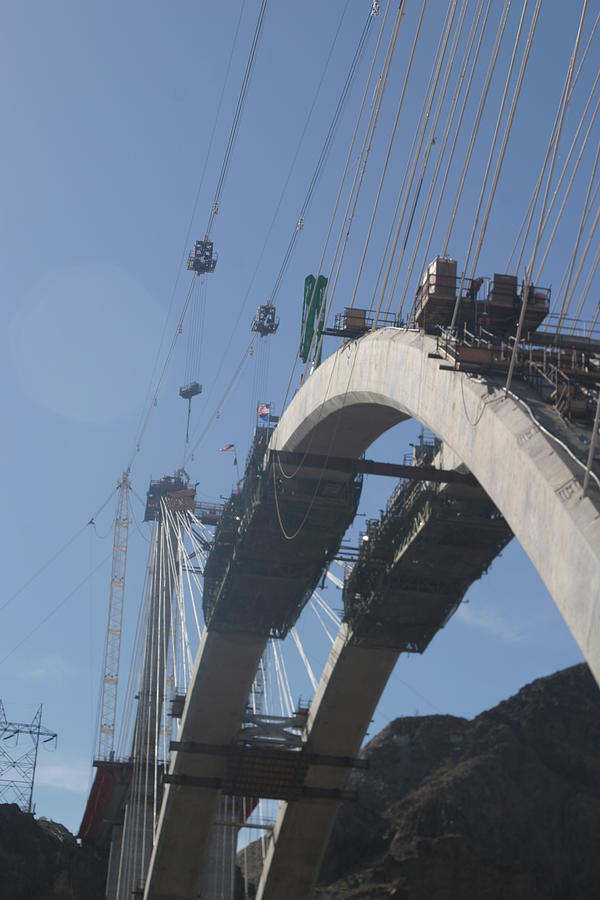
<point>573,174</point>
<point>477,121</point>
<point>346,222</point>
<point>503,145</point>
<point>442,149</point>
<point>562,115</point>
<point>323,155</point>
<point>442,47</point>
<point>529,214</point>
<point>389,152</point>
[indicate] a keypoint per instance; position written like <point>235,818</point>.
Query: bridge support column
<point>220,686</point>
<point>114,858</point>
<point>352,682</point>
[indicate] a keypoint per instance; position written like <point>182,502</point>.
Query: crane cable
<point>191,222</point>
<point>260,257</point>
<point>308,197</point>
<point>347,219</point>
<point>163,374</point>
<point>217,412</point>
<point>237,117</point>
<point>224,168</point>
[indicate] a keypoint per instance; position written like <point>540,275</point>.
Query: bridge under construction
<point>502,373</point>
<point>265,550</point>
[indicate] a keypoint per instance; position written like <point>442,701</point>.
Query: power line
<point>59,552</point>
<point>55,609</point>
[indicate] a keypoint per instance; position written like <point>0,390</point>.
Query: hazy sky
<point>107,111</point>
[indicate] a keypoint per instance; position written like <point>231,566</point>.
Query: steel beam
<point>371,467</point>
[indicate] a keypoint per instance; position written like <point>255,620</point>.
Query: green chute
<point>314,294</point>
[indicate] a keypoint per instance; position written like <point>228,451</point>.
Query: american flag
<point>264,411</point>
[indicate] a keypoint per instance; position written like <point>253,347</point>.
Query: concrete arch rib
<point>390,375</point>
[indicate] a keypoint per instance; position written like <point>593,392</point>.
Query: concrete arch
<point>387,376</point>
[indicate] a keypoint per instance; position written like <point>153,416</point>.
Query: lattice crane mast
<point>112,645</point>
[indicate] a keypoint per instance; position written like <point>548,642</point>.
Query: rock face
<point>503,807</point>
<point>41,860</point>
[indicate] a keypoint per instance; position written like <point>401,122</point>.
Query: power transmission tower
<point>112,645</point>
<point>19,744</point>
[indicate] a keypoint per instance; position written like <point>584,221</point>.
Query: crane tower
<point>112,645</point>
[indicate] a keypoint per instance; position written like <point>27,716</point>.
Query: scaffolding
<point>256,580</point>
<point>417,560</point>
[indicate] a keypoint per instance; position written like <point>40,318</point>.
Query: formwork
<point>418,560</point>
<point>257,580</point>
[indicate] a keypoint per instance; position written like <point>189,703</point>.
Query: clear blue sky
<point>107,111</point>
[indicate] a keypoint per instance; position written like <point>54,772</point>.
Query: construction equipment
<point>312,318</point>
<point>112,643</point>
<point>265,321</point>
<point>202,259</point>
<point>188,392</point>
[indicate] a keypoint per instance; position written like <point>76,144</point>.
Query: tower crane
<point>112,645</point>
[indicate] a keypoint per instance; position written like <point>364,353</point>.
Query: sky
<point>115,119</point>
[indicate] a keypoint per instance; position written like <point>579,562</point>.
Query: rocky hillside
<point>41,860</point>
<point>503,807</point>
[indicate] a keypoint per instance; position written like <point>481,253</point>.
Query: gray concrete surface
<point>218,695</point>
<point>348,692</point>
<point>390,375</point>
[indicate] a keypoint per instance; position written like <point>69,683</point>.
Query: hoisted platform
<point>202,259</point>
<point>266,321</point>
<point>188,391</point>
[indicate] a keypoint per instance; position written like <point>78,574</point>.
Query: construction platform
<point>494,303</point>
<point>256,580</point>
<point>172,490</point>
<point>417,560</point>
